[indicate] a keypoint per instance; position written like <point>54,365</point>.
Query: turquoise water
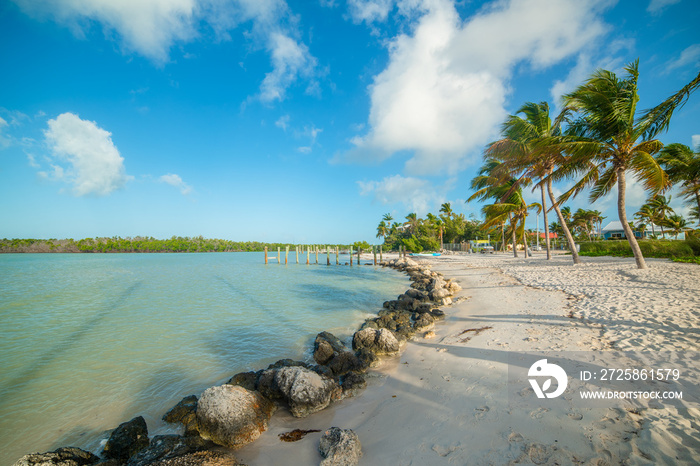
<point>90,341</point>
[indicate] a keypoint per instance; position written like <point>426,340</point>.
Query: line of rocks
<point>237,413</point>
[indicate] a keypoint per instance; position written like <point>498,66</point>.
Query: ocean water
<point>88,341</point>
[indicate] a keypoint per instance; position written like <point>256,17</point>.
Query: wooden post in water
<point>380,254</point>
<point>350,256</point>
<point>279,255</point>
<point>337,256</point>
<point>286,255</point>
<point>328,255</point>
<point>374,251</point>
<point>316,255</point>
<point>359,252</point>
<point>265,255</point>
<point>307,254</point>
<point>297,251</point>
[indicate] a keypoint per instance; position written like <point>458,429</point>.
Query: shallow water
<point>88,341</point>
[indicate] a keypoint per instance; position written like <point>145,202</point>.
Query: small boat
<point>433,254</point>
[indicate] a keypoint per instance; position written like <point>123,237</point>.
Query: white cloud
<point>283,122</point>
<point>696,141</point>
<point>655,6</point>
<point>312,133</point>
<point>175,181</point>
<point>689,56</point>
<point>290,60</point>
<point>85,156</point>
<point>148,27</point>
<point>4,140</point>
<point>443,92</point>
<point>369,10</point>
<point>151,28</point>
<point>417,194</point>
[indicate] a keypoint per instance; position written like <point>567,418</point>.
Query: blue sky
<point>295,121</point>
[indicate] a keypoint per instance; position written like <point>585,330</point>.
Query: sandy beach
<point>460,395</point>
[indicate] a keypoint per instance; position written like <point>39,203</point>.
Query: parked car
<point>486,249</point>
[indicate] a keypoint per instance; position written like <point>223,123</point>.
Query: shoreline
<point>443,400</point>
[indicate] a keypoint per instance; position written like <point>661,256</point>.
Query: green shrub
<point>650,248</point>
<point>692,240</point>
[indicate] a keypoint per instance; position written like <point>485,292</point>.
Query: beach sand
<point>453,398</point>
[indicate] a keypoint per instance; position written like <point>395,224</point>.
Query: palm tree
<point>676,223</point>
<point>583,220</point>
<point>607,140</point>
<point>412,222</point>
<point>660,207</point>
<point>683,166</point>
<point>446,209</point>
<point>382,230</point>
<point>646,215</point>
<point>526,151</point>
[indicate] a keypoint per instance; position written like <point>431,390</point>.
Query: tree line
<point>137,244</point>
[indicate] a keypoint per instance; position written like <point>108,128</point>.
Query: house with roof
<point>613,230</point>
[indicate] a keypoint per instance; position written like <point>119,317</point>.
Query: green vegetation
<point>597,141</point>
<point>137,244</point>
<point>650,248</point>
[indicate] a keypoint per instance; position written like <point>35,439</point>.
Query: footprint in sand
<point>575,416</point>
<point>538,413</point>
<point>515,437</point>
<point>479,413</point>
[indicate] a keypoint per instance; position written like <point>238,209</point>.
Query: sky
<point>300,121</point>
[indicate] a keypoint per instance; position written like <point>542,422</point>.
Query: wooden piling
<point>265,255</point>
<point>316,255</point>
<point>337,256</point>
<point>350,256</point>
<point>286,255</point>
<point>328,256</point>
<point>297,251</point>
<point>279,255</point>
<point>374,252</point>
<point>359,253</point>
<point>380,254</point>
<point>308,250</point>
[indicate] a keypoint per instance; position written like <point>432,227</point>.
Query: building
<point>613,230</point>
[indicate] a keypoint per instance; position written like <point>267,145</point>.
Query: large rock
<point>163,447</point>
<point>127,440</point>
<point>62,457</point>
<point>185,413</point>
<point>306,391</point>
<point>201,458</point>
<point>340,447</point>
<point>232,416</point>
<point>345,362</point>
<point>380,341</point>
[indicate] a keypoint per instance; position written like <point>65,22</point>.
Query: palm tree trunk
<point>525,240</point>
<point>564,227</point>
<point>513,236</point>
<point>503,237</point>
<point>546,225</point>
<point>622,214</point>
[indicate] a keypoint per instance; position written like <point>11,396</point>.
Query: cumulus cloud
<point>175,181</point>
<point>442,95</point>
<point>415,193</point>
<point>85,156</point>
<point>283,122</point>
<point>151,28</point>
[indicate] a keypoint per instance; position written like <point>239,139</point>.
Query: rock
<point>437,314</point>
<point>344,362</point>
<point>380,341</point>
<point>69,456</point>
<point>201,458</point>
<point>247,380</point>
<point>454,287</point>
<point>163,447</point>
<point>185,413</point>
<point>423,322</point>
<point>127,440</point>
<point>340,447</point>
<point>352,383</point>
<point>335,342</point>
<point>323,351</point>
<point>306,391</point>
<point>425,307</point>
<point>439,293</point>
<point>367,358</point>
<point>232,416</point>
<point>416,294</point>
<point>267,386</point>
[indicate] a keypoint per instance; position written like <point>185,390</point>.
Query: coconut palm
<point>412,222</point>
<point>683,166</point>
<point>646,215</point>
<point>607,140</point>
<point>677,224</point>
<point>660,206</point>
<point>382,230</point>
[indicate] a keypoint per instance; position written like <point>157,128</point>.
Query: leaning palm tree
<point>646,215</point>
<point>660,206</point>
<point>607,140</point>
<point>683,166</point>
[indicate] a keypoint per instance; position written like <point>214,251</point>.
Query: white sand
<point>447,400</point>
